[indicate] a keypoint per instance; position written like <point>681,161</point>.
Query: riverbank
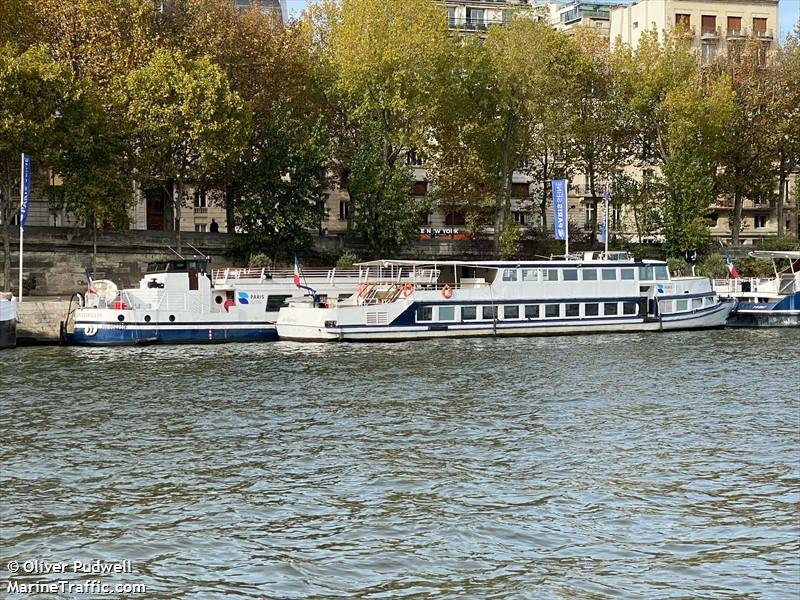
<point>40,320</point>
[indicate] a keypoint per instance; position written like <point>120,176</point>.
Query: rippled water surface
<point>648,466</point>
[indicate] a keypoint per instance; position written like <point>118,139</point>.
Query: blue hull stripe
<point>127,336</point>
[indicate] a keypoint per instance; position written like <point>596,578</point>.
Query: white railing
<point>265,274</point>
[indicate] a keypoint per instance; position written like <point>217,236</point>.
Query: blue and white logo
<point>244,298</point>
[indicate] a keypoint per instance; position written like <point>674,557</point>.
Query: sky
<point>789,12</point>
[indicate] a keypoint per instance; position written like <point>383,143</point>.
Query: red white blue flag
<point>731,269</point>
<point>296,272</point>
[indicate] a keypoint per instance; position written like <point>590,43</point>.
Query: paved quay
<point>40,318</point>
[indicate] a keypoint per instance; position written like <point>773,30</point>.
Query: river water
<point>630,466</point>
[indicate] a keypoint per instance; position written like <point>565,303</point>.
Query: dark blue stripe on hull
<point>125,336</point>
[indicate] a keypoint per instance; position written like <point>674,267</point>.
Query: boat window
<point>630,308</point>
<point>662,274</point>
<point>627,274</point>
<point>550,274</point>
<point>708,300</point>
<point>552,311</point>
<point>274,302</point>
<point>177,265</point>
<point>590,274</point>
<point>531,311</point>
<point>645,273</point>
<point>665,306</point>
<point>469,313</point>
<point>511,312</point>
<point>489,312</point>
<point>509,274</point>
<point>573,310</point>
<point>591,309</point>
<point>447,313</point>
<point>610,308</point>
<point>681,305</point>
<point>157,266</point>
<point>530,274</point>
<point>609,274</point>
<point>570,274</point>
<point>425,313</point>
<point>697,302</point>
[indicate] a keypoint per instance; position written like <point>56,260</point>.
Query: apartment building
<point>713,24</point>
<point>476,16</point>
<point>567,16</point>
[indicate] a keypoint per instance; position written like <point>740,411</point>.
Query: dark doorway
<point>155,212</point>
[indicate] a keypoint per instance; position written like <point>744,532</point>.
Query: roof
<point>790,254</point>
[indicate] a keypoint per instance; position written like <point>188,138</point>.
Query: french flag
<point>296,272</point>
<point>731,269</point>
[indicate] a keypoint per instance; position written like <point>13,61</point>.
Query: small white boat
<point>458,298</point>
<point>8,321</point>
<point>182,301</point>
<point>770,302</point>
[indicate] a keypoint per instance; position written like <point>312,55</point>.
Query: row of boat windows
<point>525,311</point>
<point>648,273</point>
<point>669,306</point>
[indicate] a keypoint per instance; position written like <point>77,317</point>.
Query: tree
<point>282,191</point>
<point>33,93</point>
<point>186,123</point>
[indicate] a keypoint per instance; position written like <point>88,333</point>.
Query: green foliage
<point>259,260</point>
<point>755,267</point>
<point>509,242</point>
<point>347,259</point>
<point>686,191</point>
<point>29,282</point>
<point>677,266</point>
<point>779,243</point>
<point>714,266</point>
<point>282,179</point>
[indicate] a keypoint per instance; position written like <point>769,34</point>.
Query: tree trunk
<point>94,247</point>
<point>779,207</point>
<point>503,198</point>
<point>6,254</point>
<point>230,209</point>
<point>736,225</point>
<point>543,203</point>
<point>177,203</point>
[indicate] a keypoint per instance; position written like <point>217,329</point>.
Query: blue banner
<point>24,189</point>
<point>604,225</point>
<point>559,187</point>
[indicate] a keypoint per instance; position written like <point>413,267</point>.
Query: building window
<point>425,313</point>
<point>344,210</point>
<point>425,218</point>
<point>420,188</point>
<point>520,217</point>
<point>200,198</point>
<point>531,311</point>
<point>412,156</point>
<point>469,313</point>
<point>511,312</point>
<point>682,20</point>
<point>591,310</point>
<point>709,51</point>
<point>759,221</point>
<point>200,227</point>
<point>713,220</point>
<point>475,18</point>
<point>451,18</point>
<point>454,218</point>
<point>734,25</point>
<point>759,26</point>
<point>636,24</point>
<point>708,24</point>
<point>519,190</point>
<point>588,215</point>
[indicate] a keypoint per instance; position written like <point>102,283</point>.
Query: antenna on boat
<point>198,251</point>
<point>174,252</point>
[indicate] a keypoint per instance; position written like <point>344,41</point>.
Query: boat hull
<point>783,313</point>
<point>114,334</point>
<point>8,333</point>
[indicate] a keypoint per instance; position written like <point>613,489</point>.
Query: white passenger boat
<point>456,299</point>
<point>8,321</point>
<point>770,302</point>
<point>182,301</point>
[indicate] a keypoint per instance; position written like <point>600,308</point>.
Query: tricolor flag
<point>296,272</point>
<point>90,283</point>
<point>731,269</point>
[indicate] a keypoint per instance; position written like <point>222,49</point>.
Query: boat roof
<point>790,254</point>
<point>499,264</point>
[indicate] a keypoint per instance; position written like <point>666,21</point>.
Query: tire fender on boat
<point>447,292</point>
<point>408,289</point>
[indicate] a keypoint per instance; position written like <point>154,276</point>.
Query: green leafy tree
<point>33,93</point>
<point>185,122</point>
<point>282,191</point>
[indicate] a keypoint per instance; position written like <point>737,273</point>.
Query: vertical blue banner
<point>559,188</point>
<point>604,225</point>
<point>24,189</point>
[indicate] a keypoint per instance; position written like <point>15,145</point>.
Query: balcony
<point>710,34</point>
<point>736,34</point>
<point>763,34</point>
<point>200,210</point>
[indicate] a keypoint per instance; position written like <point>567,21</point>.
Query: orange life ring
<point>362,290</point>
<point>447,292</point>
<point>408,289</point>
